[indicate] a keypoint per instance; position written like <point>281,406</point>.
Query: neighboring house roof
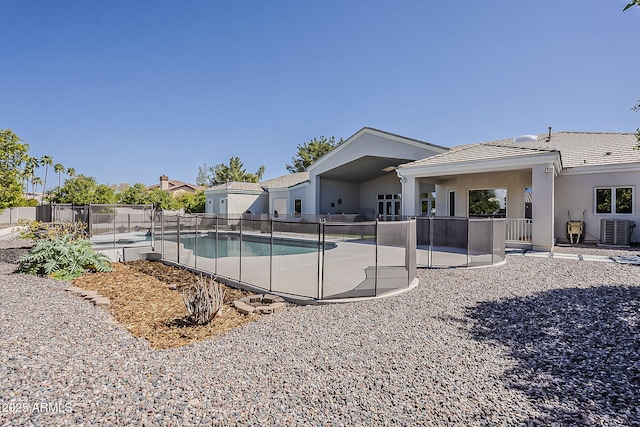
<point>577,149</point>
<point>174,185</point>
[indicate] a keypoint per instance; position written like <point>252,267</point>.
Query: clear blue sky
<point>126,91</point>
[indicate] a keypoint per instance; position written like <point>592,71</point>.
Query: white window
<point>614,200</point>
<point>389,205</point>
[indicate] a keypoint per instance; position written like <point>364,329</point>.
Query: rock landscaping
<point>534,342</point>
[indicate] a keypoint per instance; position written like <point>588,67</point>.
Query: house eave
<point>483,166</point>
<point>393,137</point>
<point>588,170</point>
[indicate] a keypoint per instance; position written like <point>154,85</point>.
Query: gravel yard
<point>536,341</point>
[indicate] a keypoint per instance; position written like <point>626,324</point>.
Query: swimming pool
<point>229,246</point>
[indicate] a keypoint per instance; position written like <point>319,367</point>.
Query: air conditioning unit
<point>615,232</point>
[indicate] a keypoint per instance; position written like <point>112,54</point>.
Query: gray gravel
<point>536,341</point>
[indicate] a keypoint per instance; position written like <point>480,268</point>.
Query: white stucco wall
<point>347,192</point>
<point>236,203</point>
<point>576,193</point>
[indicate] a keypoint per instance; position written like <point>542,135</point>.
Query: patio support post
<point>543,180</point>
<point>410,195</point>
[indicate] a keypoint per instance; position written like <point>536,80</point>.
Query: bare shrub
<point>203,300</point>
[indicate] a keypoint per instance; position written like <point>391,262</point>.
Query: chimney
<point>164,182</point>
<point>549,136</point>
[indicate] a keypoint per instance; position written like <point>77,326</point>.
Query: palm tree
<point>45,161</point>
<point>35,181</point>
<point>59,169</point>
<point>71,172</point>
<point>31,164</point>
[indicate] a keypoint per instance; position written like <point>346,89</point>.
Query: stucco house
<point>356,177</point>
<point>537,182</point>
<point>584,176</point>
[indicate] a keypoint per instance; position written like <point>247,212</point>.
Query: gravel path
<point>533,342</point>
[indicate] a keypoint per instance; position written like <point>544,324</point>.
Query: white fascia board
<point>589,170</point>
<point>483,166</point>
<point>380,134</point>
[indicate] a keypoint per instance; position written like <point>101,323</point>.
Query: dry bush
<point>203,300</point>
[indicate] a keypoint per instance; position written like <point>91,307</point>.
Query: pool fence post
<point>493,224</point>
<point>270,253</point>
<point>375,280</point>
<point>216,258</point>
<point>321,244</point>
<point>468,232</point>
<point>195,244</point>
<point>430,251</point>
<point>178,240</point>
<point>240,252</point>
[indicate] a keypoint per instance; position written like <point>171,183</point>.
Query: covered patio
<point>519,180</point>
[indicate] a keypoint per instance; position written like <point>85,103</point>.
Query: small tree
<point>162,200</point>
<point>233,172</point>
<point>193,202</point>
<point>203,175</point>
<point>83,190</point>
<point>137,194</point>
<point>309,152</point>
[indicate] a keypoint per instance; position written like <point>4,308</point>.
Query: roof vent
<point>525,138</point>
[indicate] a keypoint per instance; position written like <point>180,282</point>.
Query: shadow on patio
<point>576,351</point>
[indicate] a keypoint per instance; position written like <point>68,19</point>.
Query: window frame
<point>614,208</point>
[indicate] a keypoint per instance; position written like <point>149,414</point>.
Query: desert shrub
<point>203,300</point>
<point>63,258</point>
<point>39,230</point>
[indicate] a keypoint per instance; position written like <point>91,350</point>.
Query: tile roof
<point>279,182</point>
<point>233,185</point>
<point>286,180</point>
<point>576,149</point>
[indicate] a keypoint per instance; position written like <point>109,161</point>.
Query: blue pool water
<point>229,246</point>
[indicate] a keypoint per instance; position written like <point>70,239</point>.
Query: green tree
<point>631,4</point>
<point>45,161</point>
<point>234,172</point>
<point>483,202</point>
<point>137,194</point>
<point>13,155</point>
<point>83,190</point>
<point>161,200</point>
<point>193,202</point>
<point>71,172</point>
<point>310,152</point>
